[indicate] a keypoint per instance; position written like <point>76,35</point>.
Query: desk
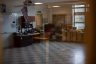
<point>24,40</point>
<point>29,34</point>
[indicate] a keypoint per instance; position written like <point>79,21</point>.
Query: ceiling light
<point>55,6</point>
<point>38,3</point>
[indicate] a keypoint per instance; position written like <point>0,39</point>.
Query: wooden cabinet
<point>72,36</point>
<point>39,20</point>
<point>24,40</point>
<point>22,21</point>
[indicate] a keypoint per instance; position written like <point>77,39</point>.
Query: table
<point>40,38</point>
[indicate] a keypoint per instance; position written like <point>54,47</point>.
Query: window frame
<point>78,13</point>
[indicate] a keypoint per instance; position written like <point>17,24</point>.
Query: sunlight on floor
<point>79,57</point>
<point>46,53</point>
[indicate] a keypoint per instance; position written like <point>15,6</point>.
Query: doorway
<point>59,19</point>
<point>62,49</point>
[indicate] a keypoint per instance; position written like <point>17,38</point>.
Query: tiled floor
<point>46,53</point>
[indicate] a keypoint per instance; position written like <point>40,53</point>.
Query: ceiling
<point>20,2</point>
<point>11,4</point>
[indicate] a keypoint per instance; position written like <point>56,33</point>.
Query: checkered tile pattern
<point>45,53</point>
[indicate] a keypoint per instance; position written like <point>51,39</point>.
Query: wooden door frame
<point>1,40</point>
<point>90,33</point>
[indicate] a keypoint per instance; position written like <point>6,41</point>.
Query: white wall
<point>8,28</point>
<point>67,10</point>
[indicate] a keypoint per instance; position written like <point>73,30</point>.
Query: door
<point>59,19</point>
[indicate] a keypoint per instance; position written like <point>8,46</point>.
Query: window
<point>79,10</point>
<point>78,16</point>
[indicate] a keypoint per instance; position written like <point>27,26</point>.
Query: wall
<point>66,9</point>
<point>8,28</point>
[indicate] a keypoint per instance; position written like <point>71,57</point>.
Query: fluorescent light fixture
<point>56,6</point>
<point>79,5</point>
<point>38,3</point>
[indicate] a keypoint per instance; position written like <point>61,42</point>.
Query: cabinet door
<point>39,20</point>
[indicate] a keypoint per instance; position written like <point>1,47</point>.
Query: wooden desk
<point>24,40</point>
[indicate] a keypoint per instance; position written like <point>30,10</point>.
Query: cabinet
<point>22,21</point>
<point>39,19</point>
<point>25,40</point>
